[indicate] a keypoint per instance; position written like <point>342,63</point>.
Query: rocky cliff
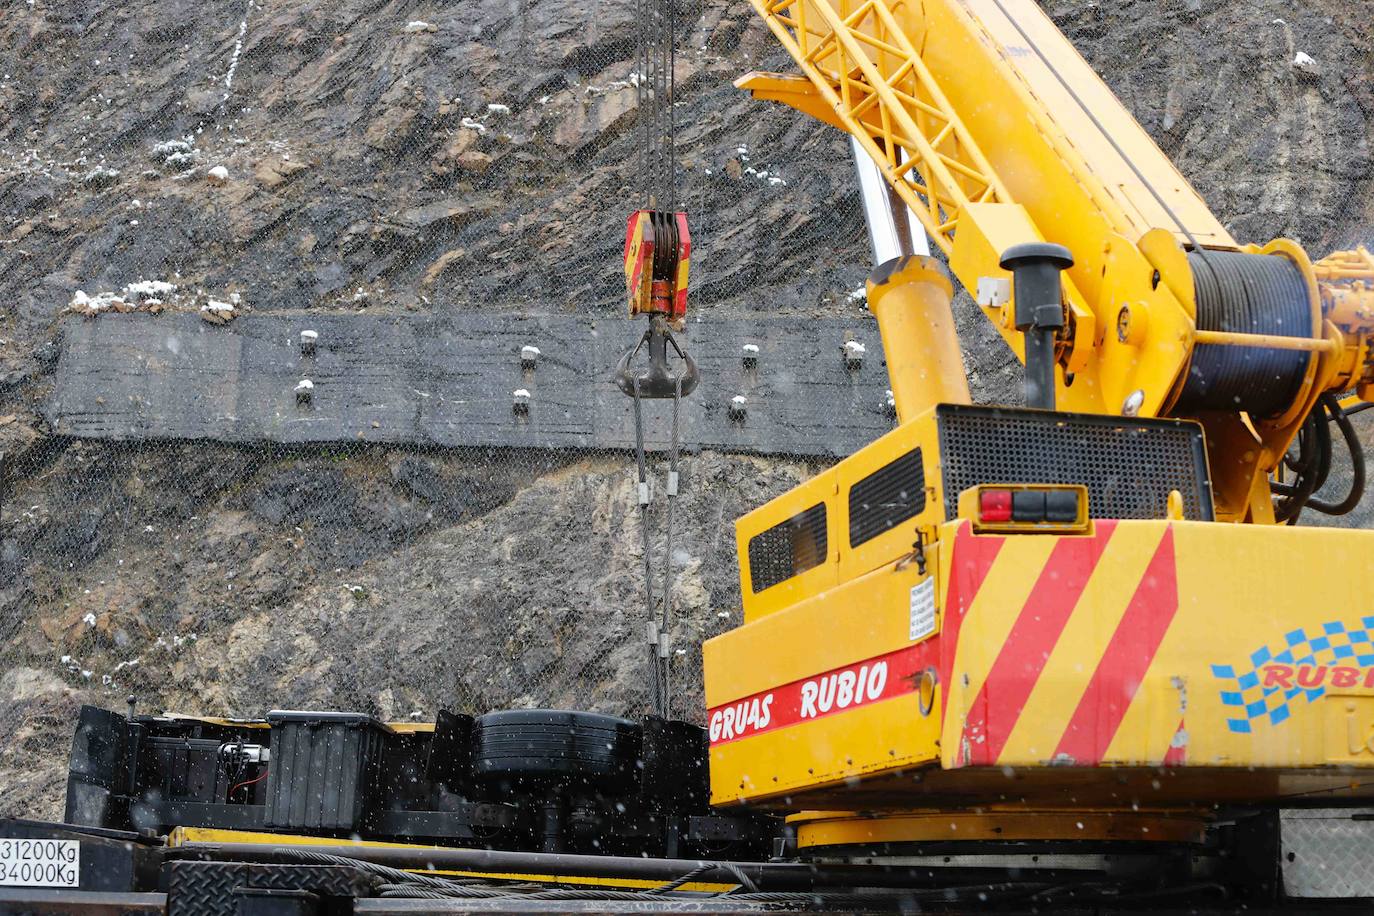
<point>393,156</point>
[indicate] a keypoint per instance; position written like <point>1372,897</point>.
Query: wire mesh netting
<point>410,159</point>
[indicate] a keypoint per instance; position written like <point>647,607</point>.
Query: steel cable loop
<point>739,875</point>
<point>659,662</point>
<point>429,892</point>
<point>396,883</point>
<point>1246,294</point>
<point>395,875</point>
<point>410,891</point>
<point>676,883</point>
<point>590,893</point>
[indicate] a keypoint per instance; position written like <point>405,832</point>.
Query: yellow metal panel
<point>1158,344</point>
<point>1057,692</point>
<point>1187,644</point>
<point>986,624</point>
<point>1027,44</point>
<point>998,824</point>
<point>867,740</point>
<point>858,620</point>
<point>794,91</point>
<point>920,433</point>
<point>832,488</point>
<point>987,230</point>
<point>819,489</point>
<point>1241,597</point>
<point>1346,726</point>
<point>1145,644</point>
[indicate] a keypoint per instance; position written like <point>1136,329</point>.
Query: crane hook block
<point>657,250</point>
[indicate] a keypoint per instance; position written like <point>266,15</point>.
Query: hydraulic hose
<point>1309,470</point>
<point>1357,464</point>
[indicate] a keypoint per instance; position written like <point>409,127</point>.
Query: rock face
<point>483,159</point>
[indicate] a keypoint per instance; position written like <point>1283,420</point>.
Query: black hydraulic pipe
<point>1357,468</point>
<point>1039,379</point>
<point>1038,297</point>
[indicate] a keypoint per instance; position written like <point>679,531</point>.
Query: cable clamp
<point>663,641</point>
<point>644,493</point>
<point>672,483</point>
<point>652,629</point>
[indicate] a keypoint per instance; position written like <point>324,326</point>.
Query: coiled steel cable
<point>1247,294</point>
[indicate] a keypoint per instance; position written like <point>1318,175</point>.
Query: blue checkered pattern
<point>1336,644</point>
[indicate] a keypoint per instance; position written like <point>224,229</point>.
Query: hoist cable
<point>660,658</point>
<point>666,611</point>
<point>656,696</point>
<point>655,85</point>
<point>670,132</point>
<point>640,80</point>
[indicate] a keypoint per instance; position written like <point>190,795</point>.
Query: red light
<point>994,505</point>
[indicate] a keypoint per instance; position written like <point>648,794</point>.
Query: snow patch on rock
<point>1305,64</point>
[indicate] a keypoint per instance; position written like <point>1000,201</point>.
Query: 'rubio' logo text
<point>817,696</point>
<point>1313,676</point>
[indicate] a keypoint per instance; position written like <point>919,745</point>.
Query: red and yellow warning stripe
<point>1046,661</point>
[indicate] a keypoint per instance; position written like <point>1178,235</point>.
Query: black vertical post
<point>1037,295</point>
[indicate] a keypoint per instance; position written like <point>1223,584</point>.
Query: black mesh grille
<point>1128,465</point>
<point>891,494</point>
<point>788,548</point>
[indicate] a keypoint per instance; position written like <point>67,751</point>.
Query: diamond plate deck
<point>1326,852</point>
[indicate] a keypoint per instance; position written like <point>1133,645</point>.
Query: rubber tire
<point>548,748</point>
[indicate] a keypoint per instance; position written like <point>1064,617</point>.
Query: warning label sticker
<point>923,609</point>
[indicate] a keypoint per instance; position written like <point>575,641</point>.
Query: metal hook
<point>658,381</point>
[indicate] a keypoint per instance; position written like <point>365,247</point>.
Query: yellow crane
<point>1075,619</point>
